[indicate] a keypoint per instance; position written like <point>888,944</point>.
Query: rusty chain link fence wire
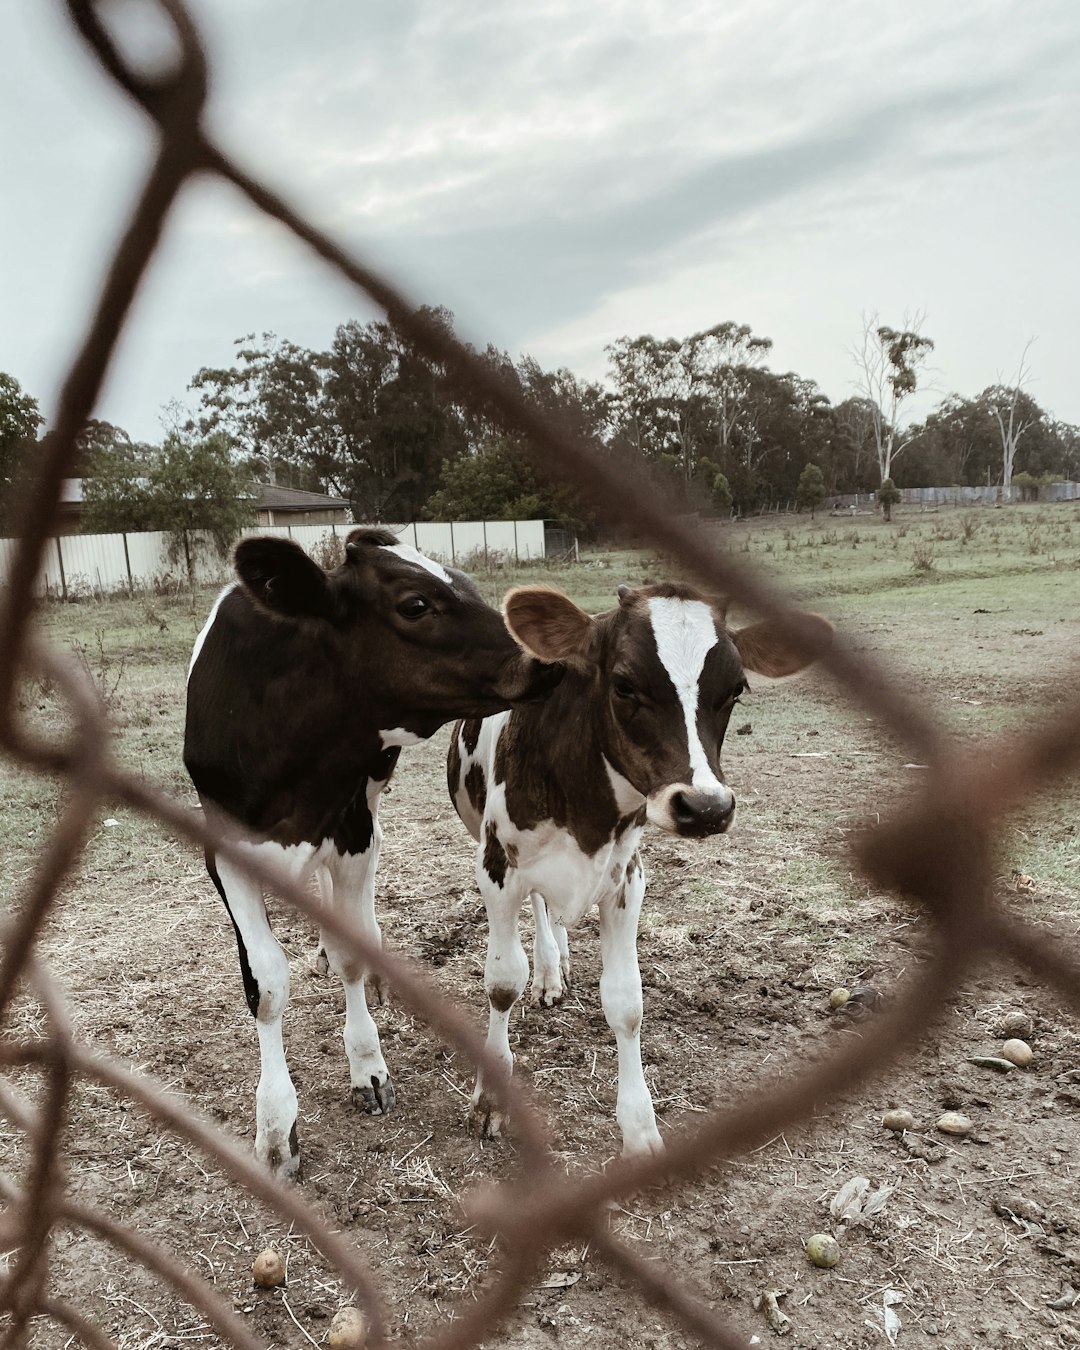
<point>938,851</point>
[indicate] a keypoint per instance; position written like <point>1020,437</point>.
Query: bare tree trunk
<point>1011,425</point>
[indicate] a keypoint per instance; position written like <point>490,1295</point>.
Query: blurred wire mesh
<point>938,851</point>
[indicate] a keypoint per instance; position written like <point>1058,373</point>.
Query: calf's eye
<point>623,688</point>
<point>413,607</point>
<point>732,698</point>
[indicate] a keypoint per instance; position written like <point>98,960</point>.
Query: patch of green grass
<point>32,806</point>
<point>1021,540</point>
<point>810,878</point>
<point>1046,843</point>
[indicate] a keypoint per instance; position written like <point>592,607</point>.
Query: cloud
<point>550,170</point>
<point>555,262</point>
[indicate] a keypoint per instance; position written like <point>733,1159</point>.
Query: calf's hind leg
<point>352,893</point>
<point>551,956</point>
<point>320,966</point>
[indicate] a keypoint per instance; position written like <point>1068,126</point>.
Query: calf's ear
<point>768,651</point>
<point>548,624</point>
<point>280,577</point>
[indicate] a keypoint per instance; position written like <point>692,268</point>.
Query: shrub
<point>811,490</point>
<point>888,494</point>
<point>328,551</point>
<point>101,668</point>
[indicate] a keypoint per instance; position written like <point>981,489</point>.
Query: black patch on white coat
<point>637,817</point>
<point>502,998</point>
<point>470,733</point>
<point>476,787</point>
<point>251,985</point>
<point>495,860</point>
<point>356,825</point>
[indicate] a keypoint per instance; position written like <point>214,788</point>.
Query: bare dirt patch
<point>978,1235</point>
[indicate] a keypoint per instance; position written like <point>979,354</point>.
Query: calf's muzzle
<point>692,812</point>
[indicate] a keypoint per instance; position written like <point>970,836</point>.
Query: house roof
<point>273,498</point>
<point>265,496</point>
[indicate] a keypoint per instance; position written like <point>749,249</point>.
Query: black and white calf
<point>302,689</point>
<point>558,795</point>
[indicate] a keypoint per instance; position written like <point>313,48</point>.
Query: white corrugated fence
<point>78,565</point>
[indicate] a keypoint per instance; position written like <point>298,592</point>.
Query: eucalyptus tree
<point>685,397</point>
<point>271,405</point>
<point>889,361</point>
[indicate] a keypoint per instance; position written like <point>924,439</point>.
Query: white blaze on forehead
<point>413,555</point>
<point>685,634</point>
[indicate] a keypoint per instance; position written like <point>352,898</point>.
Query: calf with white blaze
<point>302,689</point>
<point>557,795</point>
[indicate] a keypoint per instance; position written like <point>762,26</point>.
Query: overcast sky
<point>560,174</point>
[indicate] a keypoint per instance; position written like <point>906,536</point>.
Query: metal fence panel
<point>78,565</point>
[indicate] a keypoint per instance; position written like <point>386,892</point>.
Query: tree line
<point>703,420</point>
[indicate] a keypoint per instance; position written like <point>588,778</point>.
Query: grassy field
<point>978,614</point>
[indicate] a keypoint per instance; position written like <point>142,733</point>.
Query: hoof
<point>376,1100</point>
<point>648,1144</point>
<point>320,964</point>
<point>544,997</point>
<point>283,1159</point>
<point>488,1120</point>
<point>380,991</point>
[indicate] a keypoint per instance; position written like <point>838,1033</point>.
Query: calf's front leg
<point>620,994</point>
<point>505,974</point>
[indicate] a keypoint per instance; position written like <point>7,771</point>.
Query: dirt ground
<point>742,940</point>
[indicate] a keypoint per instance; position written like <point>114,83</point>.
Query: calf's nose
<point>532,680</point>
<point>701,813</point>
